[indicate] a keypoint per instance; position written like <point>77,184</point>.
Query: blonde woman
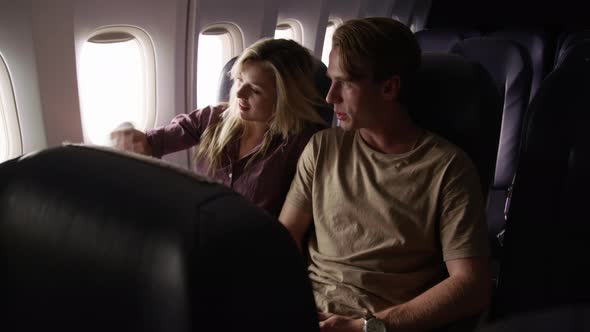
<point>253,143</point>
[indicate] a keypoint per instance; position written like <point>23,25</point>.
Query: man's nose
<point>332,96</point>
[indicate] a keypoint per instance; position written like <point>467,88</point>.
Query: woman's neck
<point>252,137</point>
<point>254,131</point>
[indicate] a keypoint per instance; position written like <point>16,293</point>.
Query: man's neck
<point>395,135</point>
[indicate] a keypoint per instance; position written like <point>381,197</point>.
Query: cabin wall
<point>18,50</point>
<point>41,42</point>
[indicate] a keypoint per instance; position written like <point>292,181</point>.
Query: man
<point>399,229</point>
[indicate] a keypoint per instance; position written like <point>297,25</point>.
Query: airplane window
<point>116,82</point>
<point>328,42</point>
<point>284,31</point>
<point>10,136</point>
<point>214,51</point>
<point>289,29</point>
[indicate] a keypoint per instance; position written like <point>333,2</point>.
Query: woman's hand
<point>127,138</point>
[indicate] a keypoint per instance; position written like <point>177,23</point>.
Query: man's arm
<point>296,220</point>
<point>464,293</point>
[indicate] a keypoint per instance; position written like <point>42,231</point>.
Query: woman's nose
<point>241,92</point>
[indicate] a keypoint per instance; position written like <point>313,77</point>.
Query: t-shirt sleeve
<point>184,130</point>
<point>463,230</point>
<point>300,193</point>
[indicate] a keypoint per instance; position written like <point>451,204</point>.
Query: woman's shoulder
<point>206,116</point>
<point>213,111</point>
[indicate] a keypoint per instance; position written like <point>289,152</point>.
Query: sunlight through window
<point>115,85</point>
<point>328,42</point>
<point>211,59</point>
<point>284,31</point>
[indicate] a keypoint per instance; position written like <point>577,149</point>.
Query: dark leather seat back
<point>457,99</point>
<point>321,80</point>
<point>510,67</point>
<point>544,262</point>
<point>92,240</point>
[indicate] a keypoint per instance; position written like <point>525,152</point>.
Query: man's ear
<point>391,87</point>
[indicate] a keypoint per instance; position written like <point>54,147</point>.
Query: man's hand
<point>334,323</point>
<point>130,139</point>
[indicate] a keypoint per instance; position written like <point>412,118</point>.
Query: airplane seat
<point>567,40</point>
<point>543,260</point>
<point>510,67</point>
<point>457,99</point>
<point>96,240</point>
<point>321,80</point>
<point>441,40</point>
<point>536,44</point>
<point>225,82</point>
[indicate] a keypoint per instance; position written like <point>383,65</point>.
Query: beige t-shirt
<point>385,224</point>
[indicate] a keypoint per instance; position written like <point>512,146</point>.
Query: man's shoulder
<point>446,151</point>
<point>332,135</point>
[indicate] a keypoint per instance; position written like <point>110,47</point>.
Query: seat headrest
<point>93,240</point>
<point>536,45</point>
<point>507,62</point>
<point>457,99</point>
<point>575,53</point>
<point>437,40</point>
<point>568,40</point>
<point>225,82</point>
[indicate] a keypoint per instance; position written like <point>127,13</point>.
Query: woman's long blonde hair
<point>297,99</point>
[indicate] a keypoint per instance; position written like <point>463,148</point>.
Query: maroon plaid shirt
<point>267,179</point>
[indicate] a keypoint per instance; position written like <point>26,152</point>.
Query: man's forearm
<point>455,297</point>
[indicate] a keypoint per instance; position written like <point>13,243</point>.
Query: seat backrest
<point>321,80</point>
<point>93,240</point>
<point>510,67</point>
<point>456,98</point>
<point>535,43</point>
<point>543,263</point>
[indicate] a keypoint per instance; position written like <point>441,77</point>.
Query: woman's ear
<point>391,87</point>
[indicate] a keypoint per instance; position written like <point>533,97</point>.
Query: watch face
<point>375,325</point>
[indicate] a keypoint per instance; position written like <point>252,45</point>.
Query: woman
<point>253,143</point>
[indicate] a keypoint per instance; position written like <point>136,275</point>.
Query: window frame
<point>148,55</point>
<point>9,114</point>
<point>335,22</point>
<point>233,45</point>
<point>295,26</point>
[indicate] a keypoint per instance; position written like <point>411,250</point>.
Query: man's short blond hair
<point>377,48</point>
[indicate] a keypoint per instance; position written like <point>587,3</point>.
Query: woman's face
<point>256,92</point>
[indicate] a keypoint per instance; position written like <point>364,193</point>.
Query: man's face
<point>355,101</point>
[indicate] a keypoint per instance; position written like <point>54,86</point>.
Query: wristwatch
<point>374,324</point>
